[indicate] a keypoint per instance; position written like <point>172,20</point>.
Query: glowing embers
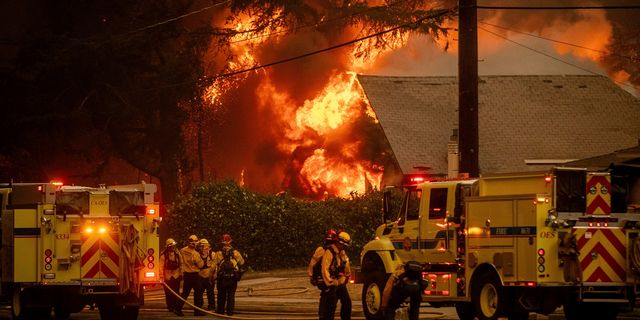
<point>438,284</point>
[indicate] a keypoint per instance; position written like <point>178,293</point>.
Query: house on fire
<point>526,122</point>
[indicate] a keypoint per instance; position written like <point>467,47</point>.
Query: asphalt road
<point>276,295</point>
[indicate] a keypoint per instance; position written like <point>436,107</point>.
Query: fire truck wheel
<point>465,310</point>
<point>61,313</point>
<point>130,312</point>
<point>17,311</point>
<point>372,294</point>
<point>109,311</point>
<point>489,297</point>
<point>574,310</point>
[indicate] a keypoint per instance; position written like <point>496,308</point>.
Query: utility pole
<point>468,87</point>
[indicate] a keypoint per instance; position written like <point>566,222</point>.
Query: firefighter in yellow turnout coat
<point>335,274</point>
<point>191,264</point>
<point>207,272</point>
<point>171,266</point>
<point>229,262</point>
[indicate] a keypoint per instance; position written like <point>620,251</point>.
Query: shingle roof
<point>520,117</point>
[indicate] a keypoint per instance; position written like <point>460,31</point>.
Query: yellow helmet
<point>170,242</point>
<point>193,238</point>
<point>203,242</point>
<point>344,238</point>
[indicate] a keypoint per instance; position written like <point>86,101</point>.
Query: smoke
<point>257,127</point>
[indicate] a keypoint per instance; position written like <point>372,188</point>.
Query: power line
<point>289,31</point>
<point>602,52</point>
<point>555,58</point>
<point>438,14</point>
<point>175,18</point>
<point>558,7</point>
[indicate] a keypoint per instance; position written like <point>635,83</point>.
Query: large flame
<point>322,119</point>
<point>306,116</point>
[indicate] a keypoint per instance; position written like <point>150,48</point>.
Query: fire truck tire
<point>109,311</point>
<point>574,310</point>
<point>489,297</point>
<point>465,310</point>
<point>130,312</point>
<point>17,308</point>
<point>61,313</point>
<point>372,294</point>
<point>19,311</point>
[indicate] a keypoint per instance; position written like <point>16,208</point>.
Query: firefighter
<point>405,282</point>
<point>315,275</point>
<point>171,264</point>
<point>191,264</point>
<point>335,274</point>
<point>230,267</point>
<point>207,272</point>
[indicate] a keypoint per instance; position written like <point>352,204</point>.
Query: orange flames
<point>322,118</point>
<point>338,105</point>
<point>311,128</point>
<point>310,115</point>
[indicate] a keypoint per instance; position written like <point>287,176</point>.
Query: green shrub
<point>272,231</point>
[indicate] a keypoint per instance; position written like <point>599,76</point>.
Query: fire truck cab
<point>65,247</point>
<point>511,244</point>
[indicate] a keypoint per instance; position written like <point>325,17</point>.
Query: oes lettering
<point>62,236</point>
<point>547,234</point>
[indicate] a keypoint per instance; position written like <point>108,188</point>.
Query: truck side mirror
<point>385,206</point>
<point>454,219</point>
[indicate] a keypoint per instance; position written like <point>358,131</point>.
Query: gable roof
<point>523,117</point>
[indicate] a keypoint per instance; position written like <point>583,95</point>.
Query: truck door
<point>438,237</point>
<point>404,232</point>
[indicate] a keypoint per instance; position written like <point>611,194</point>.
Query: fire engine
<point>66,247</point>
<point>507,245</point>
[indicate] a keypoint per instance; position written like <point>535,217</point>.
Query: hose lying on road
<point>280,315</point>
<point>298,290</point>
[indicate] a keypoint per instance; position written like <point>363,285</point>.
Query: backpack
<point>229,268</point>
<point>171,264</point>
<point>316,277</point>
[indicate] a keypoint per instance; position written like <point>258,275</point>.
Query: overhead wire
<point>182,16</point>
<point>437,14</point>
<point>292,30</point>
<point>554,57</point>
<point>602,52</point>
<point>603,7</point>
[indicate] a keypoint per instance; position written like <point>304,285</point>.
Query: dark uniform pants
<point>207,287</point>
<point>345,302</point>
<point>397,298</point>
<point>328,301</point>
<point>192,281</point>
<point>171,299</point>
<point>226,295</point>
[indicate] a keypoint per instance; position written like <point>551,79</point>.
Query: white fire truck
<point>508,245</point>
<point>65,247</point>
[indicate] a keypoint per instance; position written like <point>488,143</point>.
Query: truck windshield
<point>72,203</point>
<point>126,203</point>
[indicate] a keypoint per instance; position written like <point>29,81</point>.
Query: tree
<point>93,82</point>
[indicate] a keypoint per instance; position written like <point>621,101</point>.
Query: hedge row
<point>272,231</point>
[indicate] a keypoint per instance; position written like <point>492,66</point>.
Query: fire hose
<point>251,291</point>
<point>131,259</point>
